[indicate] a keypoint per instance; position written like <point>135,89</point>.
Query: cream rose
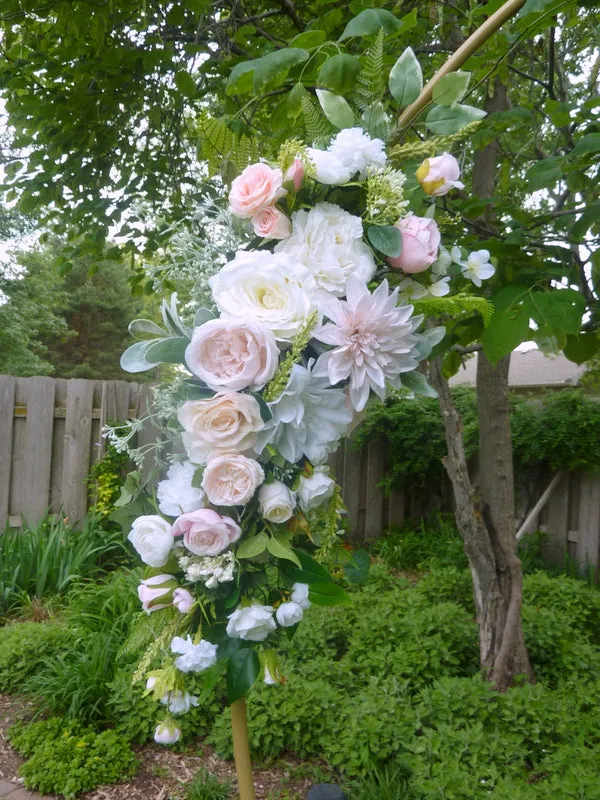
<point>276,501</point>
<point>271,223</point>
<point>232,354</point>
<point>225,423</point>
<point>256,188</point>
<point>232,479</point>
<point>420,244</point>
<point>252,623</point>
<point>315,490</point>
<point>439,175</point>
<point>269,287</point>
<point>206,533</point>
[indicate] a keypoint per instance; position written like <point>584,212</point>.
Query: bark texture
<point>485,514</point>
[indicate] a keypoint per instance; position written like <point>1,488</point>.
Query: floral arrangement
<point>308,330</point>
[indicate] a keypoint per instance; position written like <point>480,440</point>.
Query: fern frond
<point>371,80</point>
<point>457,306</point>
<point>144,630</point>
<point>217,143</point>
<point>318,129</point>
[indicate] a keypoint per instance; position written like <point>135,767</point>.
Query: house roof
<point>528,370</point>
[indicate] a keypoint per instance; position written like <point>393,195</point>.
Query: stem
<point>241,750</point>
<point>464,52</point>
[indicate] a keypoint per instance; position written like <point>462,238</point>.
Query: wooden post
<point>241,750</point>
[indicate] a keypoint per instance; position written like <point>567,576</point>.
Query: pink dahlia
<point>371,337</point>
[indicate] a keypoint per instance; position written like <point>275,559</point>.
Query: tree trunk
<point>486,517</point>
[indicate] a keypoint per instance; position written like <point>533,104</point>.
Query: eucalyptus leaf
<point>385,238</point>
<point>406,78</point>
<point>416,382</point>
<point>450,119</point>
<point>451,88</point>
<point>336,109</point>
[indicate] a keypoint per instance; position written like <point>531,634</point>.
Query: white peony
<point>289,614</point>
<point>167,733</point>
<point>269,287</point>
<point>252,623</point>
<point>175,494</point>
<point>315,490</point>
<point>328,241</point>
<point>152,538</point>
<point>328,169</point>
<point>309,418</point>
<point>355,149</point>
<point>276,501</point>
<point>193,657</point>
<point>300,595</point>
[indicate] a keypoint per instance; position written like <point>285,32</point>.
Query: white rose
<point>179,702</point>
<point>193,657</point>
<point>167,733</point>
<point>268,287</point>
<point>289,614</point>
<point>231,480</point>
<point>300,595</point>
<point>315,490</point>
<point>175,494</point>
<point>327,168</point>
<point>252,623</point>
<point>355,150</point>
<point>276,501</point>
<point>328,241</point>
<point>152,538</point>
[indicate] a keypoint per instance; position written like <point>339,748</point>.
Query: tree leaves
<point>339,73</point>
<point>544,173</point>
<point>257,74</point>
<point>510,324</point>
<point>370,21</point>
<point>406,79</point>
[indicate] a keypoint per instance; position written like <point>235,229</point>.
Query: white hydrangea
<point>193,657</point>
<point>175,494</point>
<point>355,149</point>
<point>209,570</point>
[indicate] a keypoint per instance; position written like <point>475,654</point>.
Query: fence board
<point>39,421</point>
<point>589,520</point>
<point>78,428</point>
<point>374,495</point>
<point>7,399</point>
<point>555,520</point>
<point>351,489</point>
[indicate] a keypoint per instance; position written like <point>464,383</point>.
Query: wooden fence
<point>50,436</point>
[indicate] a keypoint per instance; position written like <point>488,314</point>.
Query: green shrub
<point>581,603</point>
<point>48,558</point>
<point>68,759</point>
<point>206,787</point>
<point>435,541</point>
<point>25,648</point>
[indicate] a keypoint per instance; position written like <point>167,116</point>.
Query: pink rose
<point>234,355</point>
<point>206,533</point>
<point>232,479</point>
<point>439,175</point>
<point>156,592</point>
<point>225,423</point>
<point>256,188</point>
<point>182,600</point>
<point>420,243</point>
<point>271,223</point>
<point>295,174</point>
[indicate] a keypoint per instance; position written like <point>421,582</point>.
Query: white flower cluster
<point>211,571</point>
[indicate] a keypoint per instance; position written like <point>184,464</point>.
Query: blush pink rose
<point>156,592</point>
<point>439,175</point>
<point>256,188</point>
<point>232,354</point>
<point>206,533</point>
<point>225,423</point>
<point>295,174</point>
<point>420,244</point>
<point>271,223</point>
<point>232,479</point>
<point>183,600</point>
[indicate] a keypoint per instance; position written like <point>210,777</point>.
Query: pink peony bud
<point>420,244</point>
<point>182,600</point>
<point>271,223</point>
<point>295,174</point>
<point>439,175</point>
<point>156,592</point>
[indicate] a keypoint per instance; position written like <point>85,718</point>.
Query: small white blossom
<point>209,570</point>
<point>193,657</point>
<point>477,267</point>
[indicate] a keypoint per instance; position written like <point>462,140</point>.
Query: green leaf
<point>451,88</point>
<point>591,216</point>
<point>310,570</point>
<point>252,546</point>
<point>370,21</point>
<point>134,358</point>
<point>279,547</point>
<point>276,65</point>
<point>510,324</point>
<point>202,315</point>
<point>416,382</point>
<point>385,238</point>
<point>336,109</point>
<point>242,670</point>
<point>406,78</point>
<point>197,478</point>
<point>265,411</point>
<point>582,347</point>
<point>308,39</point>
<point>167,351</point>
<point>559,308</point>
<point>357,569</point>
<point>450,119</point>
<point>328,594</point>
<point>535,7</point>
<point>375,121</point>
<point>186,84</point>
<point>241,78</point>
<point>339,73</point>
<point>544,173</point>
<point>590,143</point>
<point>145,329</point>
